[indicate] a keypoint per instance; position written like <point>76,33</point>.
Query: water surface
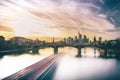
<point>89,66</point>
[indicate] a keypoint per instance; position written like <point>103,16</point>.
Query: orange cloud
<point>4,28</point>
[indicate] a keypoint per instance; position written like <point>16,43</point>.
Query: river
<point>86,67</point>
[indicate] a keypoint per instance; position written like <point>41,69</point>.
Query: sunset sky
<point>57,18</point>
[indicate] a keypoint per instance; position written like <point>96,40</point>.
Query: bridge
<point>57,45</point>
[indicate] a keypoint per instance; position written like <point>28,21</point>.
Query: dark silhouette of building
<point>2,42</point>
<point>100,40</point>
<point>85,38</point>
<point>65,40</point>
<point>75,39</point>
<point>94,40</point>
<point>80,37</point>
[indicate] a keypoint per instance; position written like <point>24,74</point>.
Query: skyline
<point>54,18</point>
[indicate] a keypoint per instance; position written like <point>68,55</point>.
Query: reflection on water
<point>90,52</point>
<point>70,67</point>
<point>85,52</point>
<point>68,51</point>
<point>46,52</point>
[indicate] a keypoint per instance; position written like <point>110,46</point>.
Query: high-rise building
<point>75,39</point>
<point>65,40</point>
<point>79,37</point>
<point>53,39</point>
<point>94,40</point>
<point>84,38</point>
<point>100,40</point>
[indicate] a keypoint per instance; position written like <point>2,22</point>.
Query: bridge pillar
<point>55,50</point>
<point>84,50</point>
<point>35,51</point>
<point>105,53</point>
<point>79,51</point>
<point>94,50</point>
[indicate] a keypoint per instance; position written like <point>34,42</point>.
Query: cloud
<point>4,28</point>
<point>113,30</point>
<point>111,8</point>
<point>58,16</point>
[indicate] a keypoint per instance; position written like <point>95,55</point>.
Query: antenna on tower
<point>53,40</point>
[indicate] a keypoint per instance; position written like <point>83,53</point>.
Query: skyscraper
<point>79,36</point>
<point>94,40</point>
